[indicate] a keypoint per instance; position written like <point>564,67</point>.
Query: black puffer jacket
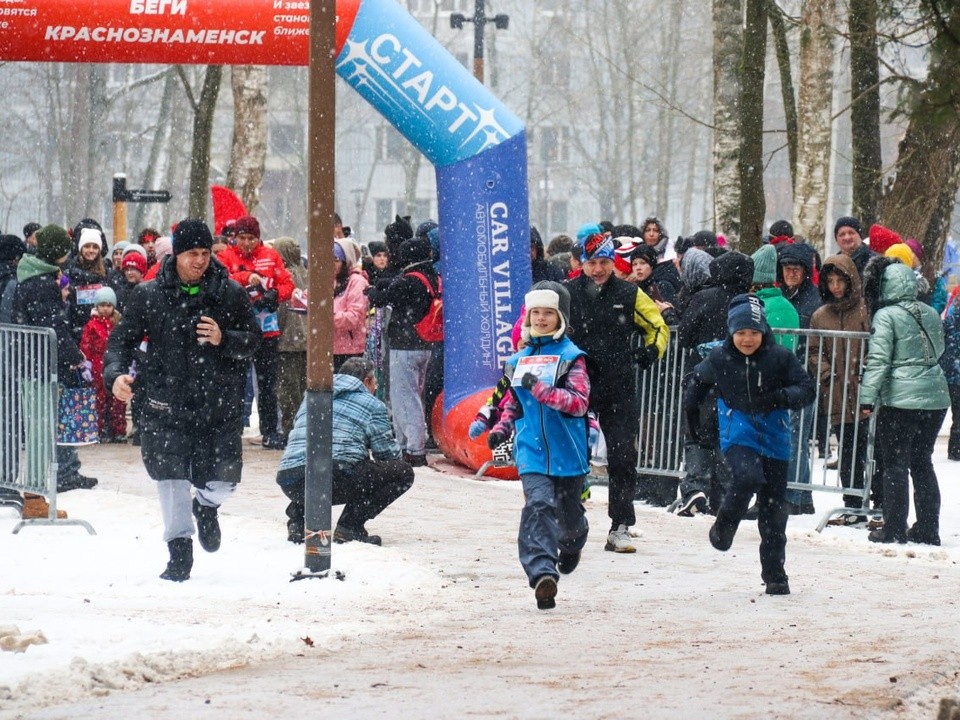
<point>38,302</point>
<point>407,295</point>
<point>705,318</point>
<point>193,392</point>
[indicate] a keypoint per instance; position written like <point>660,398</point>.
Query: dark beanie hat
<point>53,243</point>
<point>781,228</point>
<point>30,228</point>
<point>376,247</point>
<point>399,230</point>
<point>704,238</point>
<point>647,253</point>
<point>424,228</point>
<point>415,250</point>
<point>248,224</point>
<point>190,234</point>
<point>11,248</point>
<point>746,313</point>
<point>850,222</point>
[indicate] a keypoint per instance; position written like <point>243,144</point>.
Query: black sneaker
<point>921,537</point>
<point>343,534</point>
<point>75,482</point>
<point>415,460</point>
<point>295,531</point>
<point>568,562</point>
<point>181,560</point>
<point>208,526</point>
<point>273,442</point>
<point>694,504</point>
<point>882,536</point>
<point>545,591</point>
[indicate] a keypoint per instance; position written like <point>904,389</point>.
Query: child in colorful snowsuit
<point>547,410</point>
<point>111,413</point>
<point>757,383</point>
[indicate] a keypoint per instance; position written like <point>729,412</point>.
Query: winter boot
<point>345,534</point>
<point>545,591</point>
<point>722,532</point>
<point>568,562</point>
<point>208,526</point>
<point>181,560</point>
<point>295,531</point>
<point>36,507</point>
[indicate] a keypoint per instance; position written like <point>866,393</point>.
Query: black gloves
<point>528,381</point>
<point>646,356</point>
<point>771,401</point>
<point>495,439</point>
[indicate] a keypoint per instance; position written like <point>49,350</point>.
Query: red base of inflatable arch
<point>452,438</point>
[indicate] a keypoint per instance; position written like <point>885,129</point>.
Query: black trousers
<point>953,445</point>
<point>621,427</point>
<point>266,363</point>
<point>752,473</point>
<point>365,490</point>
<point>853,458</point>
<point>905,439</point>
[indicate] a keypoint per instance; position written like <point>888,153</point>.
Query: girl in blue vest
<point>757,382</point>
<point>547,410</point>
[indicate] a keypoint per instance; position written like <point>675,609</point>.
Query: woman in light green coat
<point>904,382</point>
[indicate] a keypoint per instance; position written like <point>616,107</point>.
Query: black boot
<point>723,531</point>
<point>208,526</point>
<point>181,560</point>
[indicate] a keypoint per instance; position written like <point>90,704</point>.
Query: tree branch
<point>186,86</point>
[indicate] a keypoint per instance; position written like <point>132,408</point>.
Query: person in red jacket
<point>261,271</point>
<point>111,413</point>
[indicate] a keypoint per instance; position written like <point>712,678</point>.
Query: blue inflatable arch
<point>479,150</point>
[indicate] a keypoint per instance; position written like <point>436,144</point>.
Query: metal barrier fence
<point>28,417</point>
<point>835,368</point>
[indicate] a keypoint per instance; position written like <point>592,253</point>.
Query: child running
<point>547,409</point>
<point>757,383</point>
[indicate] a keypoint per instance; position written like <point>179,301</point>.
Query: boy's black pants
<point>752,473</point>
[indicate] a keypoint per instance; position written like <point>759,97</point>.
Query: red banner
<point>204,32</point>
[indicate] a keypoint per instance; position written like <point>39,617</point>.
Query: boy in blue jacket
<point>757,383</point>
<point>547,409</point>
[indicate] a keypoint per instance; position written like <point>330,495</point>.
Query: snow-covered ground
<point>439,621</point>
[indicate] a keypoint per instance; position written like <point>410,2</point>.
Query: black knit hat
<point>53,243</point>
<point>190,234</point>
<point>11,248</point>
<point>647,253</point>
<point>850,222</point>
<point>30,228</point>
<point>781,228</point>
<point>415,250</point>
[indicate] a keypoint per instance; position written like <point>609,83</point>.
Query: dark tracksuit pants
<point>364,489</point>
<point>752,473</point>
<point>266,363</point>
<point>621,426</point>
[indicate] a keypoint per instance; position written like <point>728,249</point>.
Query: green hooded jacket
<point>905,346</point>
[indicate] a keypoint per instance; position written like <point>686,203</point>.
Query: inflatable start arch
<point>477,146</point>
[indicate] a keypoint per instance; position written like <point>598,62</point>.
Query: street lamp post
<point>479,20</point>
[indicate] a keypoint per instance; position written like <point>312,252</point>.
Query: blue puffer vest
<point>547,441</point>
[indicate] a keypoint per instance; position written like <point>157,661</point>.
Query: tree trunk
<point>779,32</point>
<point>248,151</point>
<point>161,140</point>
<point>921,199</point>
<point>670,65</point>
<point>815,112</point>
<point>727,47</point>
<point>867,167</point>
<point>202,135</point>
<point>753,206</point>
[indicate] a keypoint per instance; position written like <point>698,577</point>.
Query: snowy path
<point>439,622</point>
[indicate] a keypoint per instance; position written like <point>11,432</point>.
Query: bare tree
<point>922,194</point>
<point>204,107</point>
<point>753,204</point>
<point>778,30</point>
<point>814,112</point>
<point>248,151</point>
<point>727,47</point>
<point>865,110</point>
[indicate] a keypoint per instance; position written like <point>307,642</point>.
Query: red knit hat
<point>134,260</point>
<point>247,224</point>
<point>882,238</point>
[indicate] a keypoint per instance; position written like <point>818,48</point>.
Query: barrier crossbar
<point>835,371</point>
<point>28,418</point>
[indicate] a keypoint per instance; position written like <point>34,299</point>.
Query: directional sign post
<point>121,196</point>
